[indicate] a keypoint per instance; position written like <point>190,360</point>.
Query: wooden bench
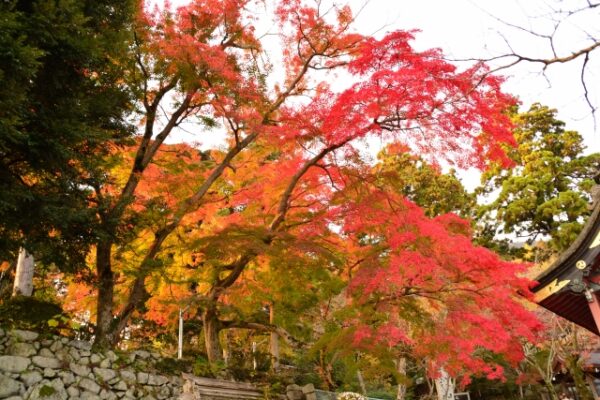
<point>197,388</point>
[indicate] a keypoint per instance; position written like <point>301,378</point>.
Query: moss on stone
<point>47,391</point>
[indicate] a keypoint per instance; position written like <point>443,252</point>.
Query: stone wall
<point>306,392</point>
<point>53,368</point>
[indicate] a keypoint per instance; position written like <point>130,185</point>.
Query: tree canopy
<point>62,105</point>
<point>287,213</point>
<point>547,192</point>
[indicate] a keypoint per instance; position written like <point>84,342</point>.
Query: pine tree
<point>546,195</point>
<point>62,104</point>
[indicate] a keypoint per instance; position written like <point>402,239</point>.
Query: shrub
<point>35,314</point>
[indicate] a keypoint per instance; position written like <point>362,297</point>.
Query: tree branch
<point>284,202</point>
<point>263,328</point>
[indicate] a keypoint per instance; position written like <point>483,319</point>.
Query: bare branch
<point>263,328</point>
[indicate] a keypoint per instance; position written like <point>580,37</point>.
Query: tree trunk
<point>137,296</point>
<point>23,285</point>
<point>325,370</point>
<point>212,327</point>
<point>361,382</point>
<point>444,386</point>
<point>583,390</point>
<point>274,342</point>
<point>104,307</point>
<point>551,391</point>
<point>401,366</point>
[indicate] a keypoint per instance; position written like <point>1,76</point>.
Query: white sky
<point>471,29</point>
<point>466,29</point>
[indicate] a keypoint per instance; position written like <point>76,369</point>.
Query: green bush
<point>34,314</point>
<point>202,367</point>
<point>172,366</point>
<point>241,364</point>
<point>381,394</point>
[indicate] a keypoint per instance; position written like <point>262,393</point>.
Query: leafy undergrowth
<point>34,314</point>
<point>172,366</point>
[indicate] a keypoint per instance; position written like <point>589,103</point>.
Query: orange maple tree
<point>291,148</point>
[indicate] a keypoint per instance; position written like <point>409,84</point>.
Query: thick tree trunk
<point>137,296</point>
<point>23,285</point>
<point>106,285</point>
<point>401,367</point>
<point>212,327</point>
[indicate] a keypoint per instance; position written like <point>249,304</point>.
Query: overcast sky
<point>473,29</point>
<point>481,29</point>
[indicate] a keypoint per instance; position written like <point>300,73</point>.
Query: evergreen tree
<point>547,192</point>
<point>436,192</point>
<point>62,105</point>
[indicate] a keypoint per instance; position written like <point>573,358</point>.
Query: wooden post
<point>361,382</point>
<point>274,343</point>
<point>180,336</point>
<point>594,305</point>
<point>23,285</point>
<point>227,347</point>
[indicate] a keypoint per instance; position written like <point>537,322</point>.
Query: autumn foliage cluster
<point>289,212</point>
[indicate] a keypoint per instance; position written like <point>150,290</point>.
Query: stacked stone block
<point>52,368</point>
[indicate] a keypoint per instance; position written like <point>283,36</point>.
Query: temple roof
<point>562,287</point>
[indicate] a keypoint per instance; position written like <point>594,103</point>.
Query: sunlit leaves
<point>287,212</point>
<point>546,194</point>
<point>464,296</point>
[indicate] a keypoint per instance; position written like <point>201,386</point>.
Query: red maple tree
<point>292,148</point>
<point>422,284</point>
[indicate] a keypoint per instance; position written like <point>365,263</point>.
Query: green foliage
<point>437,193</point>
<point>32,313</point>
<point>202,367</point>
<point>240,364</point>
<point>305,370</point>
<point>493,389</point>
<point>381,394</point>
<point>277,382</point>
<point>546,193</point>
<point>172,366</point>
<point>61,108</point>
